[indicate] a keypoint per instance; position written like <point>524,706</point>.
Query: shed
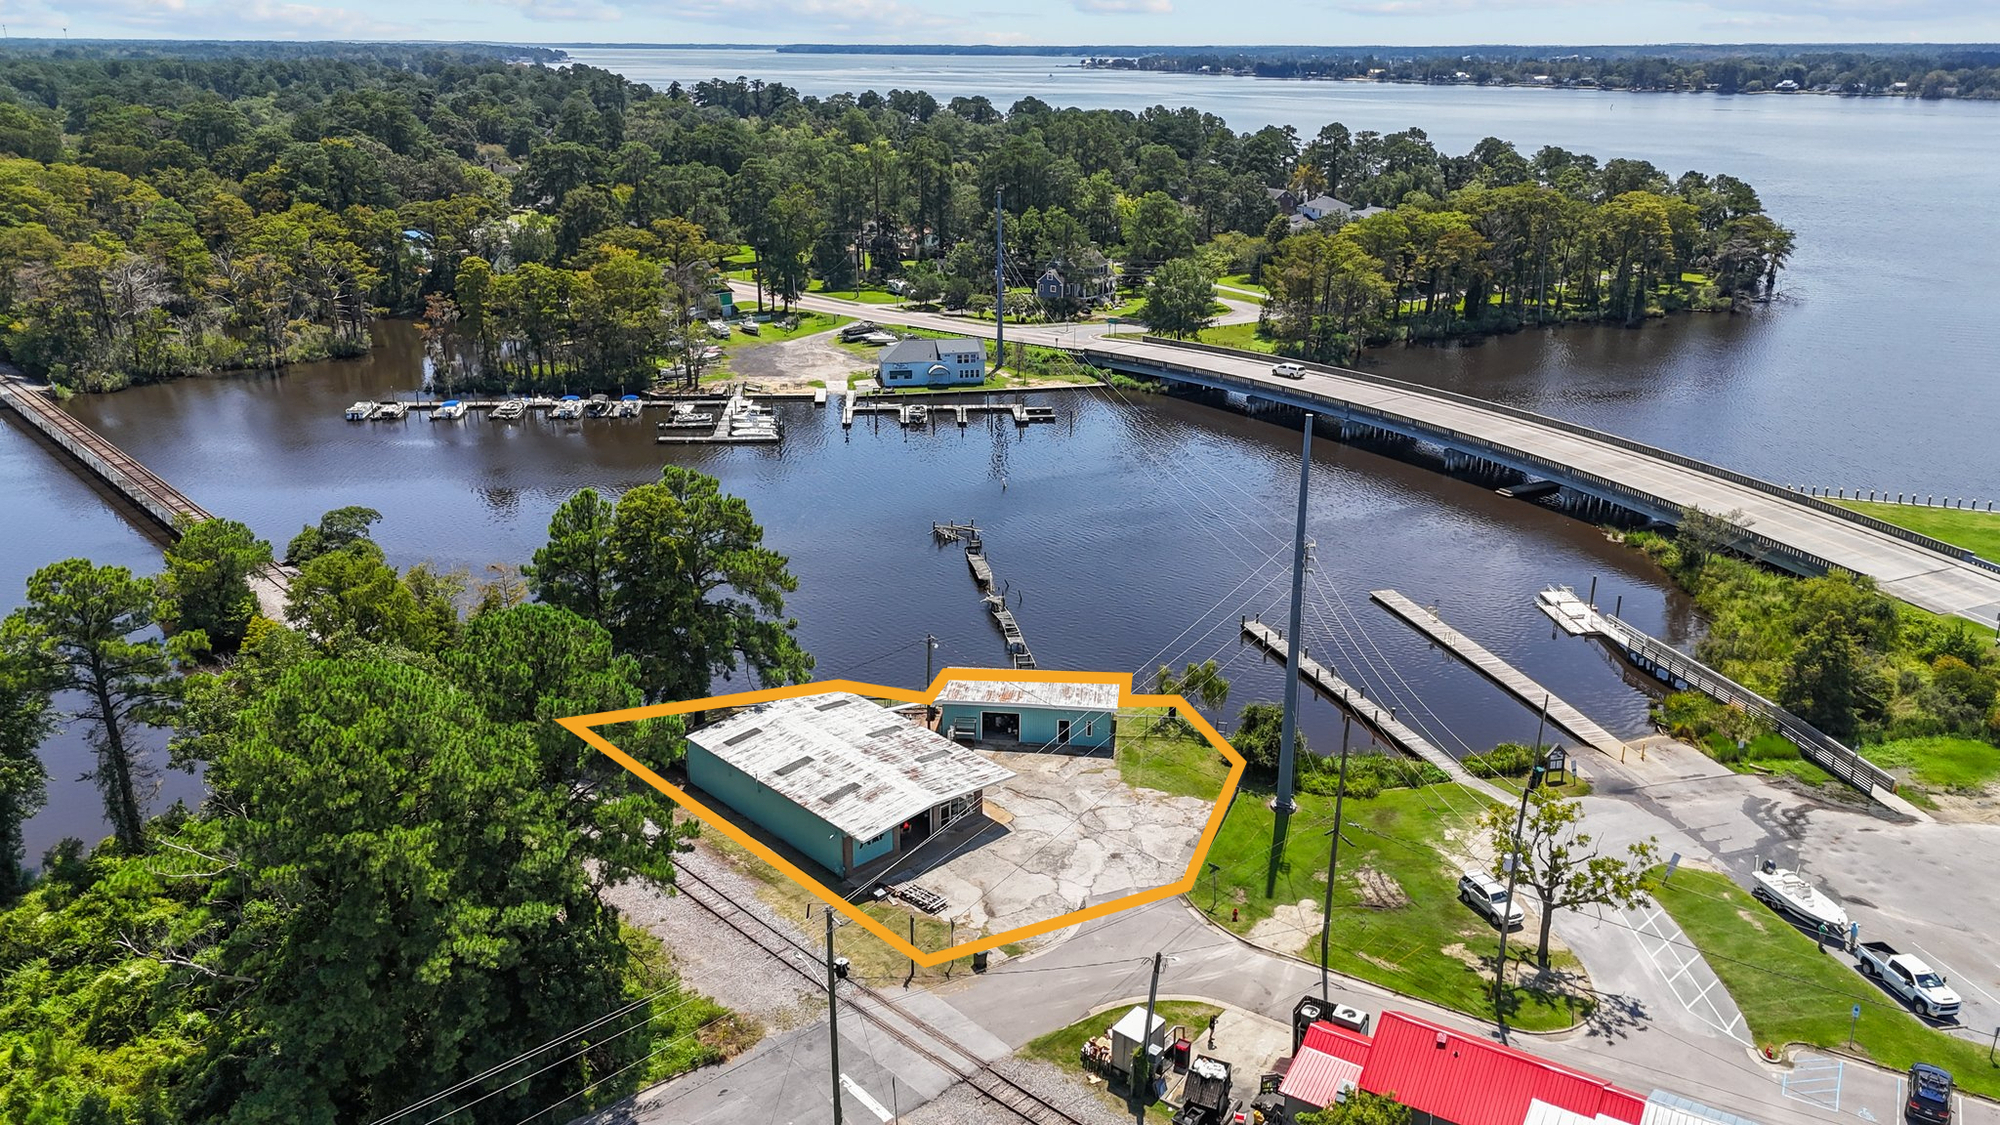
<point>932,363</point>
<point>837,777</point>
<point>1127,1035</point>
<point>1030,715</point>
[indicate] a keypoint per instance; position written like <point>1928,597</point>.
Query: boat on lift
<point>567,408</point>
<point>509,410</point>
<point>391,411</point>
<point>627,407</point>
<point>1791,893</point>
<point>448,410</point>
<point>362,411</point>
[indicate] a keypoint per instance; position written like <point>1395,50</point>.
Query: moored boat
<point>509,410</point>
<point>362,411</point>
<point>447,410</point>
<point>391,411</point>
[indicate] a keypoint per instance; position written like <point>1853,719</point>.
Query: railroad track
<point>806,961</point>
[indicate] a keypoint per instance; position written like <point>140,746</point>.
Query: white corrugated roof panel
<point>859,767</point>
<point>1018,693</point>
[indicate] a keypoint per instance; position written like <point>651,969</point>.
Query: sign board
<point>1856,1013</point>
<point>1673,864</point>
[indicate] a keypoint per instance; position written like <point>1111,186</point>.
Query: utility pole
<point>1141,1094</point>
<point>1333,861</point>
<point>999,282</point>
<point>832,1017</point>
<point>1294,648</point>
<point>1513,878</point>
<point>930,655</point>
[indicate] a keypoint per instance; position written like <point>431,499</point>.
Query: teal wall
<point>1089,730</point>
<point>771,811</point>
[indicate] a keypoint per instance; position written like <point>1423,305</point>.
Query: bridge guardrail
<point>1885,527</point>
<point>1818,747</point>
<point>1754,542</point>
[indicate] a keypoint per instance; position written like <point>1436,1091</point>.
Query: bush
<point>1509,759</point>
<point>1367,774</point>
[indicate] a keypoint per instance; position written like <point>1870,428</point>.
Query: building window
<point>1090,728</point>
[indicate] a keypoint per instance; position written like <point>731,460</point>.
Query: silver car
<point>1487,895</point>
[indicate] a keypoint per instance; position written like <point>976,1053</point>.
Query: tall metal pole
<point>1513,878</point>
<point>832,1017</point>
<point>999,282</point>
<point>1144,1094</point>
<point>1333,861</point>
<point>930,657</point>
<point>1294,648</point>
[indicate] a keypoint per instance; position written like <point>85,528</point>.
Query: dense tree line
<point>395,886</point>
<point>1954,72</point>
<point>563,228</point>
<point>1495,240</point>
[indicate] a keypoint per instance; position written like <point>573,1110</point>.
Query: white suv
<point>1288,371</point>
<point>1488,896</point>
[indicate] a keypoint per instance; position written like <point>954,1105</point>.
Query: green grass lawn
<point>1978,532</point>
<point>866,294</point>
<point>1242,281</point>
<point>1169,757</point>
<point>1431,946</point>
<point>1064,1047</point>
<point>1940,763</point>
<point>1791,992</point>
<point>1237,336</point>
<point>769,332</point>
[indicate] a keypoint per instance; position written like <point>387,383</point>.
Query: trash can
<point>979,961</point>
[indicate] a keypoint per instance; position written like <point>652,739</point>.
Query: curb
<point>1554,1035</point>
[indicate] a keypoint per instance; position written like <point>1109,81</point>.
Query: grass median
<point>1791,992</point>
<point>1978,532</point>
<point>1397,918</point>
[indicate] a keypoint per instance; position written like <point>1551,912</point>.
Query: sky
<point>1182,22</point>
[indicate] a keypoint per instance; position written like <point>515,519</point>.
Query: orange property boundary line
<point>583,726</point>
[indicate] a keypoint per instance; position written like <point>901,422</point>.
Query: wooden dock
<point>994,599</point>
<point>124,474</point>
<point>960,412</point>
<point>1384,722</point>
<point>1517,684</point>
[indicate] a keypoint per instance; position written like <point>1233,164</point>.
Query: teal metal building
<point>840,779</point>
<point>1029,716</point>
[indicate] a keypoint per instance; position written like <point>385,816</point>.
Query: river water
<point>1138,529</point>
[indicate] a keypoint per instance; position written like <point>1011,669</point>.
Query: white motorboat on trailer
<point>1789,892</point>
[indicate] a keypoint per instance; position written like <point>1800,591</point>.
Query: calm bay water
<point>1128,529</point>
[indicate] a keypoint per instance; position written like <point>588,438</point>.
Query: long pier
<point>1599,472</point>
<point>982,577</point>
<point>1383,721</point>
<point>926,414</point>
<point>1517,684</point>
<point>167,505</point>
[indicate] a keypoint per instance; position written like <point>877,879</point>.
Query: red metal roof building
<point>1450,1078</point>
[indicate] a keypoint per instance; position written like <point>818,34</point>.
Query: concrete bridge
<point>1799,533</point>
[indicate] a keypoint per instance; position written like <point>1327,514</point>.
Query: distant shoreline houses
<point>1302,213</point>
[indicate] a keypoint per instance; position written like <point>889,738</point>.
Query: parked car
<point>1288,370</point>
<point>1922,987</point>
<point>1488,896</point>
<point>1930,1094</point>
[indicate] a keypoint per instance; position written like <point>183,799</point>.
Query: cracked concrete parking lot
<point>1065,832</point>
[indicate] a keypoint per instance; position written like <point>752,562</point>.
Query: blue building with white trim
<point>1078,716</point>
<point>840,779</point>
<point>932,363</point>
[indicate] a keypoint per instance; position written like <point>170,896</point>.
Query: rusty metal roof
<point>857,766</point>
<point>1017,693</point>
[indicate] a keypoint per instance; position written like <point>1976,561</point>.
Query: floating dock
<point>739,421</point>
<point>1564,716</point>
<point>1337,691</point>
<point>921,414</point>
